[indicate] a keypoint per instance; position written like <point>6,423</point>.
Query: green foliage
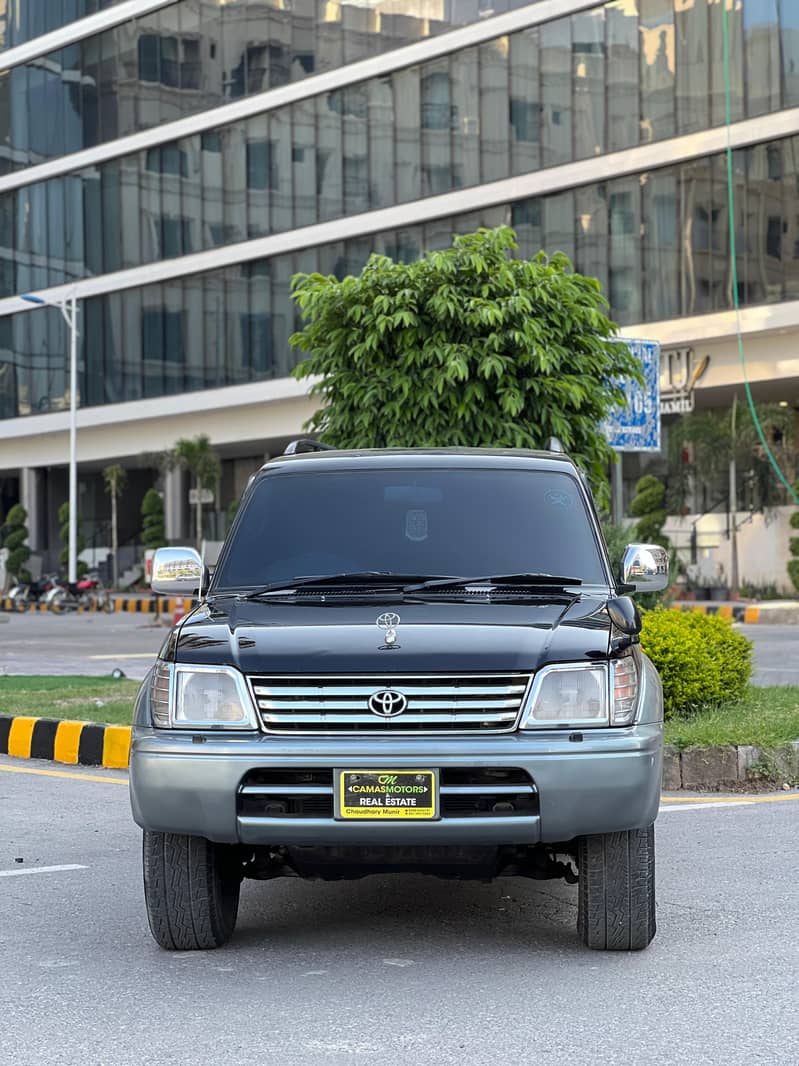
<point>199,458</point>
<point>232,509</point>
<point>15,538</point>
<point>152,513</point>
<point>713,444</point>
<point>648,506</point>
<point>63,533</point>
<point>616,538</point>
<point>701,659</point>
<point>468,347</point>
<point>115,477</point>
<point>793,545</point>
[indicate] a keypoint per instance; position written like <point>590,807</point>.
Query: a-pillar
<point>175,505</point>
<point>31,495</point>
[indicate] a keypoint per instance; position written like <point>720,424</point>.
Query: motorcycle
<point>88,593</point>
<point>25,593</point>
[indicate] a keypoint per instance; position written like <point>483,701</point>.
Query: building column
<point>31,492</point>
<point>175,503</point>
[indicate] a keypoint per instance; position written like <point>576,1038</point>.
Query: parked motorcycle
<point>24,593</point>
<point>89,593</point>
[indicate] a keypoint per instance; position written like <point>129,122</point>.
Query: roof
<point>424,457</point>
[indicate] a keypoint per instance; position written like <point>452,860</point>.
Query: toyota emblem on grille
<point>387,703</point>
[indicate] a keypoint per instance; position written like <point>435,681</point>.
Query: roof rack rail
<point>298,447</point>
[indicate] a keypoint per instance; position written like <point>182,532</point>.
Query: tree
<point>152,513</point>
<point>115,477</point>
<point>63,558</point>
<point>467,346</point>
<point>15,538</point>
<point>198,457</point>
<point>649,507</point>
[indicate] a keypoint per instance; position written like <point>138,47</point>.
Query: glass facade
<point>598,81</point>
<point>657,241</point>
<point>625,73</point>
<point>22,20</point>
<point>197,54</point>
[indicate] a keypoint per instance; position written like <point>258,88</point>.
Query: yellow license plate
<point>386,794</point>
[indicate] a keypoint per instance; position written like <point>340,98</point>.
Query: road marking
<point>676,803</point>
<point>704,806</point>
<point>42,870</point>
<point>128,655</point>
<point>64,773</point>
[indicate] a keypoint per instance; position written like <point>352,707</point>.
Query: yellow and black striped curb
<point>750,613</point>
<point>738,612</point>
<point>126,604</point>
<point>84,743</point>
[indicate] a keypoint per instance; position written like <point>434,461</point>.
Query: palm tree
<point>198,457</point>
<point>115,477</point>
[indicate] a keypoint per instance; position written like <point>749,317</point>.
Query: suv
<point>406,660</point>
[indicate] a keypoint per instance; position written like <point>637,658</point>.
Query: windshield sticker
<point>559,498</point>
<point>416,525</point>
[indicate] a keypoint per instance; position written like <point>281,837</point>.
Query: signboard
<point>206,496</point>
<point>636,426</point>
<point>679,373</point>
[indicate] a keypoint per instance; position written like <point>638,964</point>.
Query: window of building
<point>169,60</point>
<point>168,159</point>
<point>262,172</point>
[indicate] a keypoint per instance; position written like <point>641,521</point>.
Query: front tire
<point>191,888</point>
<point>616,899</point>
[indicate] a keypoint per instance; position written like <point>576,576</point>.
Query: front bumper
<point>606,782</point>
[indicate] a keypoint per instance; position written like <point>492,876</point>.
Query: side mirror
<point>176,572</point>
<point>645,568</point>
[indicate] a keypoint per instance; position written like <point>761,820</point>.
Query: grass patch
<point>764,717</point>
<point>85,699</point>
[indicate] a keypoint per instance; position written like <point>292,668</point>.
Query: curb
<point>751,614</point>
<point>720,768</point>
<point>75,743</point>
<point>122,604</point>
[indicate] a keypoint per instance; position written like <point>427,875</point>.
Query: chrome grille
<point>437,703</point>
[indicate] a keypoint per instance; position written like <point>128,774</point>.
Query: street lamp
<point>71,318</point>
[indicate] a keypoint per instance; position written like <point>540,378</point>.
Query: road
<point>391,970</point>
<point>95,644</point>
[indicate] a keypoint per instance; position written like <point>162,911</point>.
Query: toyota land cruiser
<point>405,660</point>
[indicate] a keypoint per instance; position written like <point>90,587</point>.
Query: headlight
<point>200,697</point>
<point>567,696</point>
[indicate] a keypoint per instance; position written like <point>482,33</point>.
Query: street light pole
<point>71,318</point>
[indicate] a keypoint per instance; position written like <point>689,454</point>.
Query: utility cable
<point>725,34</point>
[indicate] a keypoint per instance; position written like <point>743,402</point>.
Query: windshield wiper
<point>538,581</point>
<point>366,578</point>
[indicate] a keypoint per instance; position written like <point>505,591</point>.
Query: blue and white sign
<point>636,426</point>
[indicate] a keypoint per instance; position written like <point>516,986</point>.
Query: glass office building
<point>175,163</point>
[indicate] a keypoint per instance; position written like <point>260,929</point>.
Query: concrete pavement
<point>392,969</point>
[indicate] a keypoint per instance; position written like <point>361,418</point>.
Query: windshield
<point>423,521</point>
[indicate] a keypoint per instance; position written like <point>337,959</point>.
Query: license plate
<point>386,794</point>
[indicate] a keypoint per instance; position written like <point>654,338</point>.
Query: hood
<point>433,637</point>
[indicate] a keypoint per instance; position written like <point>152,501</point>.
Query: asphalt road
<point>391,970</point>
<point>95,644</point>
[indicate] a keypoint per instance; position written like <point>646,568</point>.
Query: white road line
<point>706,806</point>
<point>42,870</point>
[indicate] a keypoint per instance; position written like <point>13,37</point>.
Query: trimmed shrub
<point>15,537</point>
<point>793,545</point>
<point>152,513</point>
<point>701,659</point>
